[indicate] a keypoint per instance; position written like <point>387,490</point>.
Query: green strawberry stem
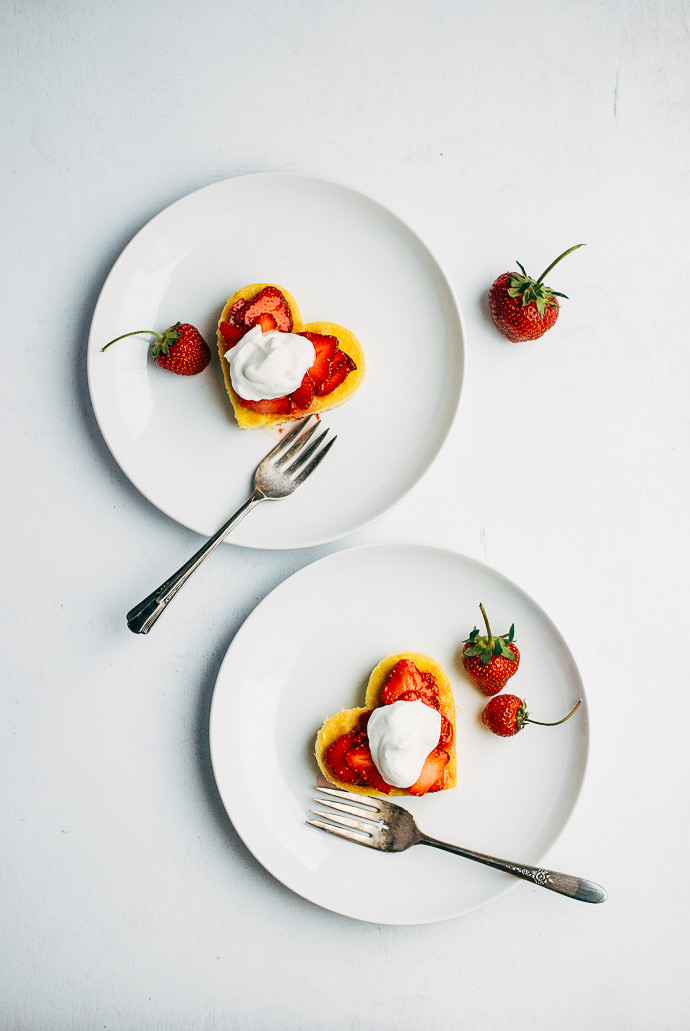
<point>558,722</point>
<point>536,291</point>
<point>135,333</point>
<point>553,264</point>
<point>489,646</point>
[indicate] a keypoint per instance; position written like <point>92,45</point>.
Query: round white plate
<point>306,652</point>
<point>346,259</point>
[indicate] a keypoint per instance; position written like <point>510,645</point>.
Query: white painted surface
<point>127,899</point>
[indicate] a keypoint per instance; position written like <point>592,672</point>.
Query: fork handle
<point>143,616</point>
<point>563,883</point>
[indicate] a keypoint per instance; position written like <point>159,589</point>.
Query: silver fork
<point>383,825</point>
<point>280,473</point>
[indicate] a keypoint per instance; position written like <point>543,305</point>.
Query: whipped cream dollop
<point>264,366</point>
<point>401,735</point>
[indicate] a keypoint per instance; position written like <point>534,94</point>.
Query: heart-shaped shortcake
<point>276,368</point>
<point>394,734</point>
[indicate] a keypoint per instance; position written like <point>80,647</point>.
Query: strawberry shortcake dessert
<point>276,368</point>
<point>402,741</point>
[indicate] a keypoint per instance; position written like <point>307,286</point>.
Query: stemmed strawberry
<point>490,661</point>
<point>507,714</point>
<point>180,349</point>
<point>524,308</point>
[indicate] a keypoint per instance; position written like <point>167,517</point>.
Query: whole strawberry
<point>506,714</point>
<point>180,349</point>
<point>522,308</point>
<point>490,661</point>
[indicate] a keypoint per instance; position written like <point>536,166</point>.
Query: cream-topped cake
<point>275,367</point>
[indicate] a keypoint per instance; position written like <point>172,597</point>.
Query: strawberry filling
<point>270,310</point>
<point>326,347</point>
<point>336,754</point>
<point>359,759</point>
<point>431,777</point>
<point>268,302</point>
<point>350,754</point>
<point>231,333</point>
<point>403,678</point>
<point>271,406</point>
<point>340,369</point>
<point>304,395</point>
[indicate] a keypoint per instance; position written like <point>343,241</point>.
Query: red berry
<point>335,757</point>
<point>331,366</point>
<point>359,758</point>
<point>490,661</point>
<point>325,346</point>
<point>304,395</point>
<point>524,308</point>
<point>180,349</point>
<point>402,678</point>
<point>341,367</point>
<point>271,406</point>
<point>431,777</point>
<point>506,714</point>
<point>231,333</point>
<point>269,302</point>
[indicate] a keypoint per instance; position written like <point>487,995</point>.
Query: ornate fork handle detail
<point>563,883</point>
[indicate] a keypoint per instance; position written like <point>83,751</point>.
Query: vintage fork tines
<point>368,815</point>
<point>306,459</point>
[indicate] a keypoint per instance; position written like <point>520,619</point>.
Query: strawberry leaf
<point>166,341</point>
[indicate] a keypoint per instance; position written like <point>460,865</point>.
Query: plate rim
<point>340,554</point>
<point>357,195</point>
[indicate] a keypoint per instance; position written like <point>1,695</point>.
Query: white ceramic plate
<point>347,260</point>
<point>306,652</point>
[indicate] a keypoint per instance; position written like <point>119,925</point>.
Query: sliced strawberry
<point>304,395</point>
<point>341,367</point>
<point>446,736</point>
<point>360,760</point>
<point>363,720</point>
<point>431,777</point>
<point>402,678</point>
<point>231,333</point>
<point>334,758</point>
<point>234,314</point>
<point>409,696</point>
<point>324,343</point>
<point>267,322</point>
<point>429,692</point>
<point>268,301</point>
<point>326,348</point>
<point>274,406</point>
<point>431,680</point>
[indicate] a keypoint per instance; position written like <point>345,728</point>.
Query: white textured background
<point>499,132</point>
